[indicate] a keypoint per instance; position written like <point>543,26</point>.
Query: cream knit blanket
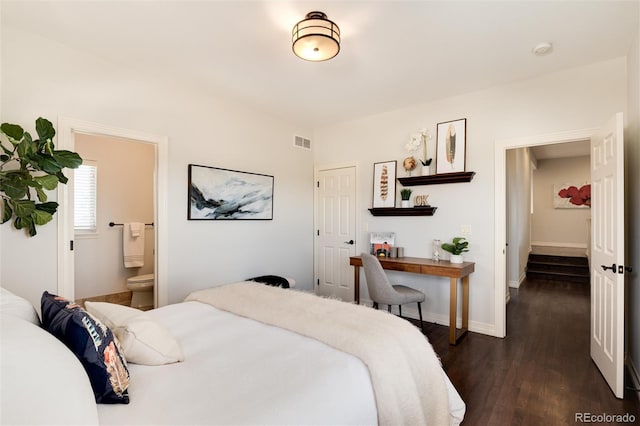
<point>406,375</point>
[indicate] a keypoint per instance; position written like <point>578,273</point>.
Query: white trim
<point>67,127</point>
<point>635,377</point>
<point>500,238</point>
<point>551,244</point>
<point>316,170</point>
<point>517,284</point>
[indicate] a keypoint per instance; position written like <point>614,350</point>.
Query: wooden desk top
<point>419,265</point>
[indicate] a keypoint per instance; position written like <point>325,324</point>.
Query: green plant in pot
<point>405,194</point>
<point>28,168</point>
<point>456,247</point>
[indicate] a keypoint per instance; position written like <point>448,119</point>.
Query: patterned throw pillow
<point>93,343</point>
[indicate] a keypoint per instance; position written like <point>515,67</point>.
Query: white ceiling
<point>393,54</point>
<point>562,150</point>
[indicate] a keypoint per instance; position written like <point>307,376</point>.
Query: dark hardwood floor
<point>541,373</point>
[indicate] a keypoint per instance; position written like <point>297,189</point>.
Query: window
<point>84,198</point>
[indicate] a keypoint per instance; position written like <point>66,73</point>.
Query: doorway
<point>500,263</point>
<point>114,186</point>
<point>68,129</point>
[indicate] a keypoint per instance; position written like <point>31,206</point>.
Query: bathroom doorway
<point>113,192</point>
<point>69,130</point>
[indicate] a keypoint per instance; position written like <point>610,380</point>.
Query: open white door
<point>335,235</point>
<point>607,253</point>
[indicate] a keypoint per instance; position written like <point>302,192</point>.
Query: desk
<point>441,268</point>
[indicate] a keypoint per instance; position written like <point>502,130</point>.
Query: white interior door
<point>335,233</point>
<point>607,253</point>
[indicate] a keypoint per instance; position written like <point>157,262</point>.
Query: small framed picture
<point>451,146</point>
<point>384,184</point>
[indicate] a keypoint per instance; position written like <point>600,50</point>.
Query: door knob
<point>612,267</point>
<point>350,242</point>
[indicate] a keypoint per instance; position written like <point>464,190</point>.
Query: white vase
<point>406,203</point>
<point>456,258</point>
<point>426,170</point>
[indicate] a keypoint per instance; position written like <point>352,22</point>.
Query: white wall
<point>125,180</point>
<point>518,169</point>
<point>559,227</point>
<point>573,99</point>
<point>632,191</point>
<point>202,128</point>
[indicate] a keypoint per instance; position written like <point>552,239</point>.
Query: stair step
<point>563,260</point>
<point>555,276</point>
<point>558,267</point>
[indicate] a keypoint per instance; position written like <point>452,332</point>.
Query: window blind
<point>84,199</point>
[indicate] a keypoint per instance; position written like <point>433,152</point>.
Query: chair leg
<point>375,305</point>
<point>400,310</point>
<point>389,308</point>
<point>420,313</point>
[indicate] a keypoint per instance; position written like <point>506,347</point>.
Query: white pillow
<point>143,340</point>
<point>17,306</point>
<point>42,381</point>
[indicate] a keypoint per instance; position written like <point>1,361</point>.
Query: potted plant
<point>28,167</point>
<point>405,194</point>
<point>458,246</point>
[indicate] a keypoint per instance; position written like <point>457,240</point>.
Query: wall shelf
<point>437,179</point>
<point>406,211</point>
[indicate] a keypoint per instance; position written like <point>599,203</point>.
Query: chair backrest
<point>380,289</point>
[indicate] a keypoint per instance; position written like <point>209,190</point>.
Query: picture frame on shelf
<point>384,184</point>
<point>222,194</point>
<point>451,146</point>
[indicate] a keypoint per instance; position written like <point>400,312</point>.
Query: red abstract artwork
<point>577,196</point>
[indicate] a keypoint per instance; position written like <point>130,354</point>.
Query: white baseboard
<point>635,377</point>
<point>411,311</point>
<point>553,244</point>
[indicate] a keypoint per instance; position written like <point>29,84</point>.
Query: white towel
<point>133,244</point>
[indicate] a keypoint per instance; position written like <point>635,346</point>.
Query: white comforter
<point>239,371</point>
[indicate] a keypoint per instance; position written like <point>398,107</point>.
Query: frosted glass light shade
<point>316,38</point>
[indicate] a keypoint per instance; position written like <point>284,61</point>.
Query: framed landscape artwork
<point>384,184</point>
<point>451,146</point>
<point>218,194</point>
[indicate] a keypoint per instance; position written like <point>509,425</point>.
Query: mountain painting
<point>216,193</point>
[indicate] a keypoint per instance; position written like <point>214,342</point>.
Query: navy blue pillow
<point>94,345</point>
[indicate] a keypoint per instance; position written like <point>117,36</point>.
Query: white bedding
<point>239,371</point>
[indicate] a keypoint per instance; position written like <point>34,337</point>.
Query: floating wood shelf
<point>407,211</point>
<point>437,179</point>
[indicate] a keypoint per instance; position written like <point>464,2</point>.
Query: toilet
<point>141,287</point>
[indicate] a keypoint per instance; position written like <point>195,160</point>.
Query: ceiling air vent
<point>301,142</point>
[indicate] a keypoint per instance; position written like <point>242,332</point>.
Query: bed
<point>234,370</point>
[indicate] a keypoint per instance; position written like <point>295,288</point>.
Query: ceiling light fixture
<point>316,38</point>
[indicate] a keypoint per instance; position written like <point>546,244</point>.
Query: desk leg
<point>453,307</point>
<point>356,284</point>
<point>465,303</point>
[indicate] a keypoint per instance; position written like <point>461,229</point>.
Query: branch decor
<point>31,166</point>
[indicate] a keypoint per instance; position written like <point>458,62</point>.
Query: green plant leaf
<point>61,177</point>
<point>45,129</point>
<point>48,182</point>
<point>7,211</point>
<point>42,196</point>
<point>41,217</point>
<point>67,159</point>
<point>13,132</point>
<point>24,208</point>
<point>13,187</point>
<point>49,207</point>
<point>47,163</point>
